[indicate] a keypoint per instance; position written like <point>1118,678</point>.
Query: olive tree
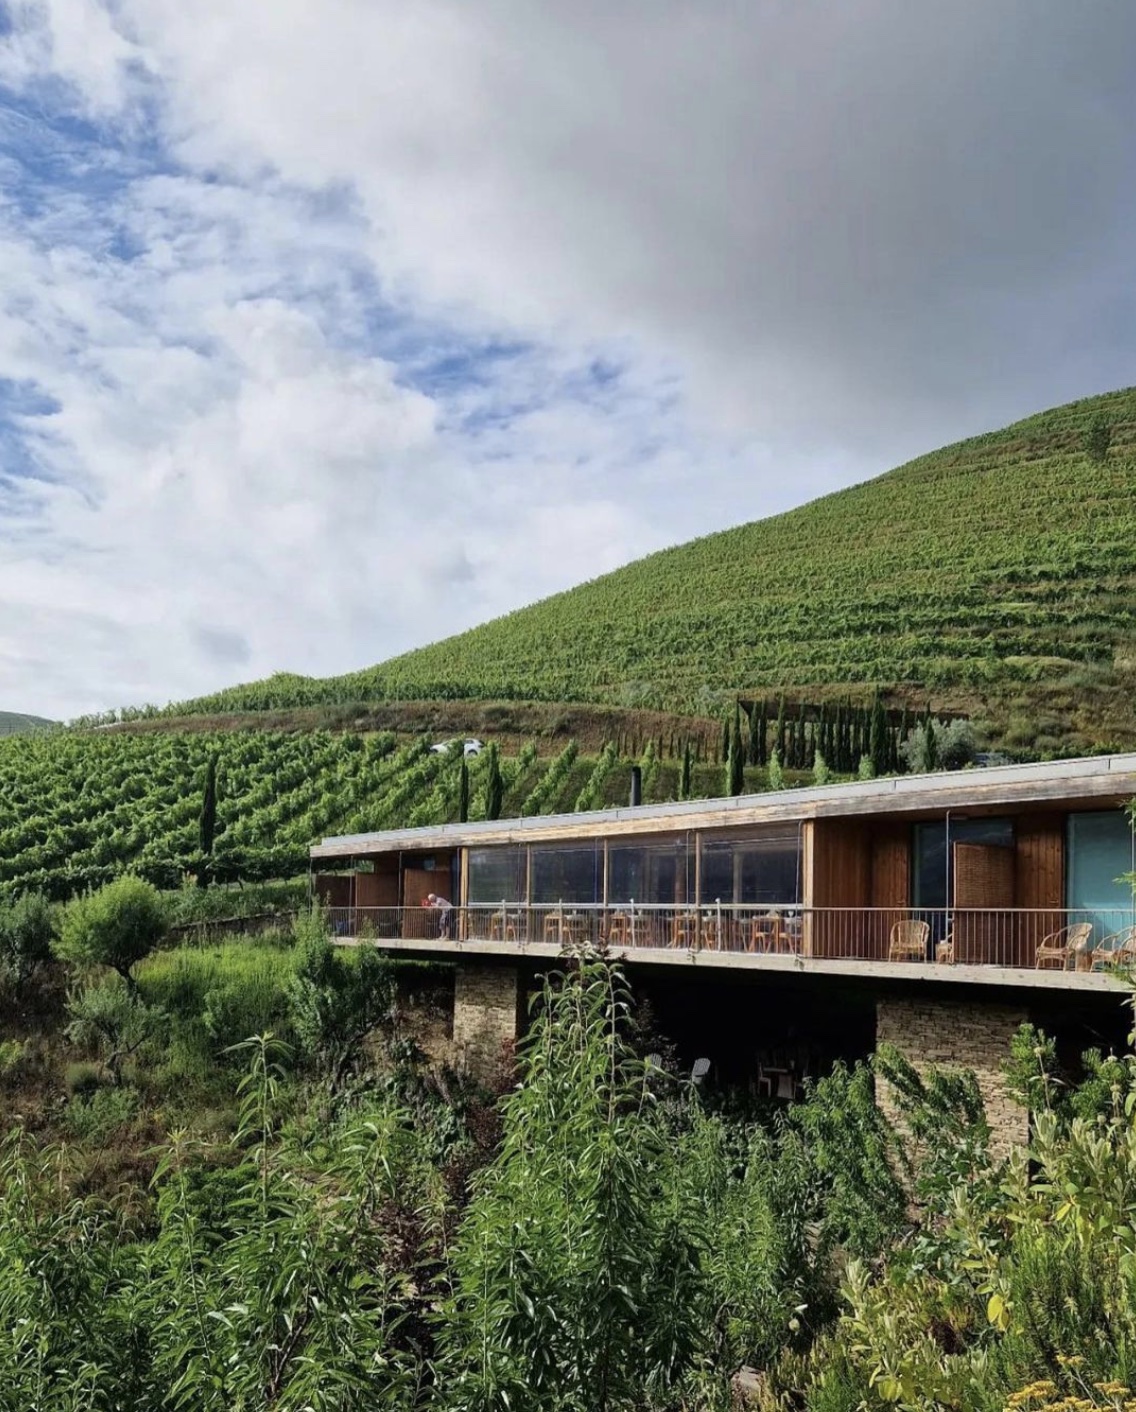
<point>114,927</point>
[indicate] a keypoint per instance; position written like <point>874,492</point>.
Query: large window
<point>1100,854</point>
<point>934,875</point>
<point>655,873</point>
<point>567,874</point>
<point>762,870</point>
<point>497,875</point>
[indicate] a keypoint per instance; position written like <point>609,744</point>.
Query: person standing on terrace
<point>445,910</point>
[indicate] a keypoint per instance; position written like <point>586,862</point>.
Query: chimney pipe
<point>636,786</point>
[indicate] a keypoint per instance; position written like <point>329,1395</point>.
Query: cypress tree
<point>494,785</point>
<point>725,738</point>
<point>207,822</point>
<point>878,751</point>
<point>779,729</point>
<point>931,745</point>
<point>463,793</point>
<point>684,779</point>
<point>762,735</point>
<point>735,763</point>
<point>753,754</point>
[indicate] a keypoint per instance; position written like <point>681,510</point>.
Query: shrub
<point>13,1055</point>
<point>115,927</point>
<point>111,1015</point>
<point>81,1079</point>
<point>100,1112</point>
<point>27,929</point>
<point>216,996</point>
<point>1098,438</point>
<point>336,999</point>
<point>571,1235</point>
<point>939,745</point>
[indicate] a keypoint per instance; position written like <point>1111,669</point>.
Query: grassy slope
<point>998,574</point>
<point>15,723</point>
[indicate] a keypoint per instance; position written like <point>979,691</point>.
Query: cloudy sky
<point>329,327</point>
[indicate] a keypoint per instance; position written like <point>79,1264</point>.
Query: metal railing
<point>1014,938</point>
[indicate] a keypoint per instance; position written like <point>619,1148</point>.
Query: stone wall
<point>963,1034</point>
<point>486,1005</point>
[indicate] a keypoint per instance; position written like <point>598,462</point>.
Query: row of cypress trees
<point>842,734</point>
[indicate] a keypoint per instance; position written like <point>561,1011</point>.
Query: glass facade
<point>651,873</point>
<point>497,875</point>
<point>567,874</point>
<point>1100,854</point>
<point>756,870</point>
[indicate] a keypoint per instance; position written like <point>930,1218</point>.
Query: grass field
<point>996,576</point>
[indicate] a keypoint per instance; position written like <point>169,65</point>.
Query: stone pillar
<point>959,1034</point>
<point>486,1005</point>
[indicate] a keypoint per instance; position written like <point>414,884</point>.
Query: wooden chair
<point>1061,948</point>
<point>684,929</point>
<point>503,926</point>
<point>618,929</point>
<point>766,932</point>
<point>1116,952</point>
<point>908,941</point>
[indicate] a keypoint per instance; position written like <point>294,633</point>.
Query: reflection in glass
<point>650,873</point>
<point>934,879</point>
<point>496,875</point>
<point>756,870</point>
<point>567,875</point>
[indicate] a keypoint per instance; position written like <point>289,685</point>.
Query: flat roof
<point>1096,779</point>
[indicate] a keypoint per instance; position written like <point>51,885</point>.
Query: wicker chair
<point>908,941</point>
<point>1059,950</point>
<point>1116,952</point>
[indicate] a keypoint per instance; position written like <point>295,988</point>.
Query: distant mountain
<point>996,576</point>
<point>15,723</point>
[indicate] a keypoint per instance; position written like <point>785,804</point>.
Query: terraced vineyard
<point>78,808</point>
<point>996,574</point>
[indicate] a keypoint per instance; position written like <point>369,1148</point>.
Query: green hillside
<point>15,723</point>
<point>77,808</point>
<point>997,575</point>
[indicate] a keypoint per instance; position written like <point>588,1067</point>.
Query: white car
<point>469,747</point>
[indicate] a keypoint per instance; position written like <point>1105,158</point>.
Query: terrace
<point>1010,876</point>
<point>1018,947</point>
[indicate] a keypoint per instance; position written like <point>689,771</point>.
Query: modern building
<point>934,911</point>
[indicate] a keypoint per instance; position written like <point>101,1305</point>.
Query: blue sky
<point>329,329</point>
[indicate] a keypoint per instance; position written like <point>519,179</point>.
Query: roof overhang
<point>1096,781</point>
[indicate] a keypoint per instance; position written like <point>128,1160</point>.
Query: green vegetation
<point>78,809</point>
<point>996,575</point>
<point>606,1238</point>
<point>13,723</point>
<point>116,927</point>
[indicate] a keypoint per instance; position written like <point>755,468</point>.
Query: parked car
<point>469,747</point>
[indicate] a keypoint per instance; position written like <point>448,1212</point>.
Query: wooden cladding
<point>1039,878</point>
<point>983,878</point>
<point>866,863</point>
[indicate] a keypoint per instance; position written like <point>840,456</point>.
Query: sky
<point>331,327</point>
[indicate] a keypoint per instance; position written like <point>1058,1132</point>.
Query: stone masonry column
<point>487,1002</point>
<point>959,1034</point>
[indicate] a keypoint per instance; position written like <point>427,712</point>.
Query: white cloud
<point>366,320</point>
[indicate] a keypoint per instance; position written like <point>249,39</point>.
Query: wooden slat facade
<point>1039,878</point>
<point>983,878</point>
<point>841,870</point>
